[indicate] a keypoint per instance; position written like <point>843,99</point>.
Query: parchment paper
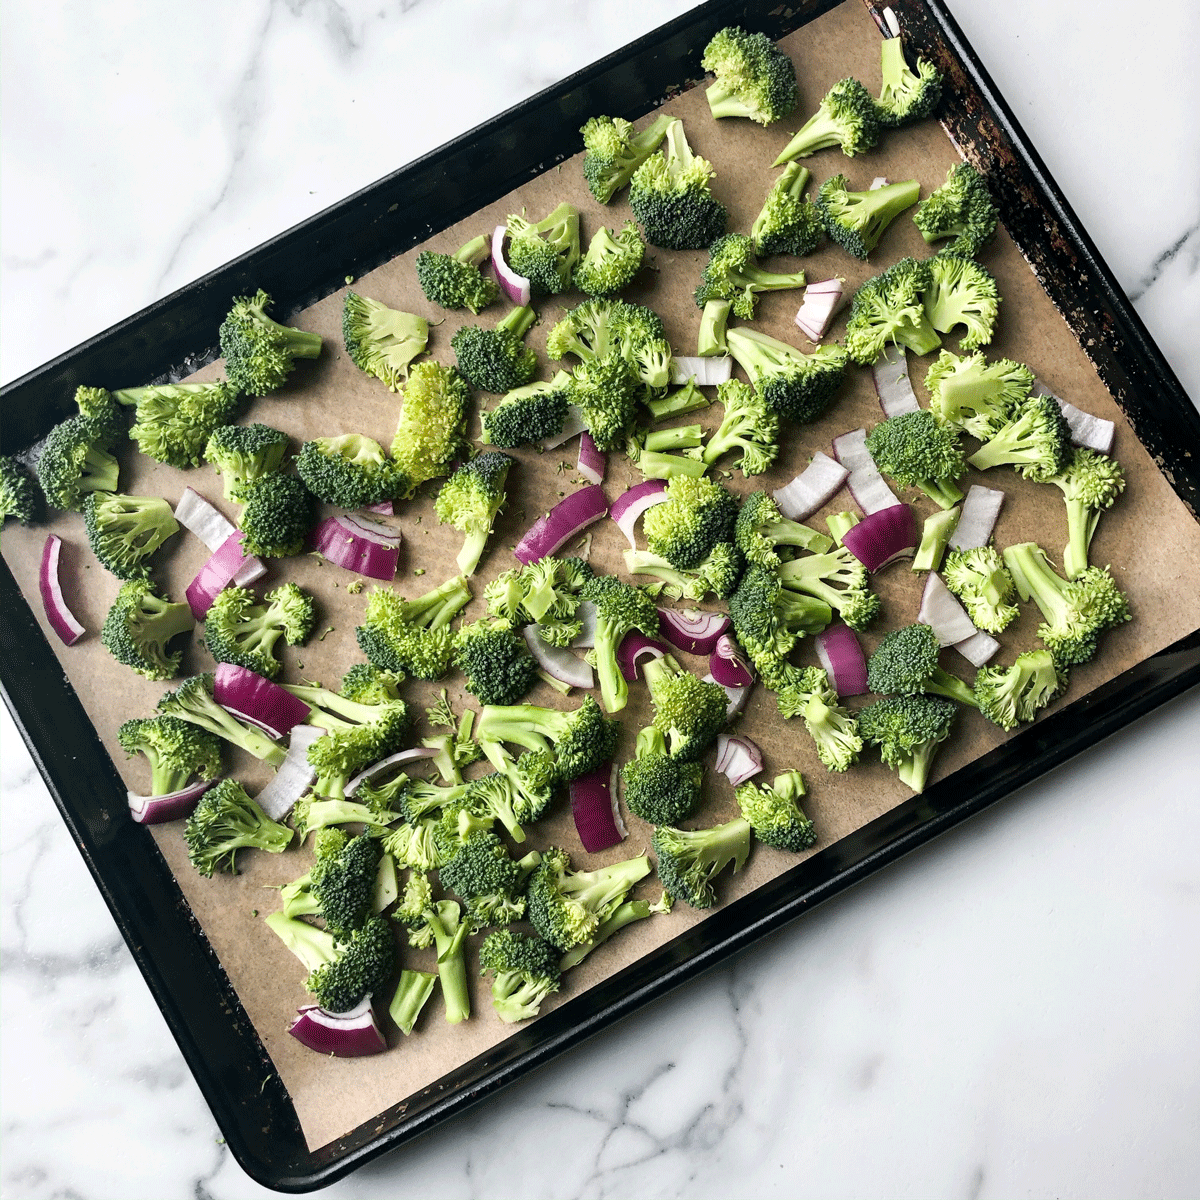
<point>1161,573</point>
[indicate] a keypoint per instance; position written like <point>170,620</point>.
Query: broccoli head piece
<point>528,414</point>
<point>429,435</point>
<point>260,353</point>
<point>857,220</point>
<point>297,896</point>
<point>173,421</point>
<point>277,513</point>
<point>974,395</point>
<point>20,495</point>
<point>659,788</point>
<point>905,663</point>
<point>689,860</point>
<point>962,209</point>
<point>124,531</point>
<point>454,280</point>
<point>808,694</point>
<point>361,966</point>
<point>225,821</point>
<point>343,883</point>
<point>495,660</point>
<point>244,452</point>
<point>545,592</point>
<point>961,292</point>
<point>908,731</point>
<point>75,457</point>
<point>775,814</point>
<point>566,906</point>
<point>979,578</point>
<point>581,741</point>
<point>620,608</point>
<point>382,341</point>
<point>599,328</point>
<point>238,630</point>
<point>485,877</point>
<point>626,914</point>
<point>193,701</point>
<point>847,117</point>
<point>907,95</point>
<point>837,578</point>
<point>606,393</point>
<point>788,223</point>
<point>139,626</point>
<point>890,309</point>
<point>755,79</point>
<point>1090,483</point>
<point>497,360</point>
<point>470,501</point>
<point>670,195</point>
<point>733,274</point>
<point>688,712</point>
<point>412,637</point>
<point>532,778</point>
<point>1011,695</point>
<point>918,451</point>
<point>1036,440</point>
<point>747,425</point>
<point>611,261</point>
<point>349,471</point>
<point>770,619</point>
<point>761,529</point>
<point>545,252</point>
<point>524,972</point>
<point>684,528</point>
<point>718,574</point>
<point>176,751</point>
<point>795,385</point>
<point>613,151</point>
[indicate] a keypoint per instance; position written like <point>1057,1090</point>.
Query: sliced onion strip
<point>883,536</point>
<point>392,760</point>
<point>294,776</point>
<point>979,512</point>
<point>154,810</point>
<point>707,372</point>
<point>62,619</point>
<point>728,664</point>
<point>257,700</point>
<point>557,661</point>
<point>978,649</point>
<point>350,1034</point>
<point>633,648</point>
<point>226,564</point>
<point>628,507</point>
<point>840,653</point>
<point>821,300</point>
<point>585,614</point>
<point>355,549</point>
<point>692,630</point>
<point>865,483</point>
<point>818,482</point>
<point>892,383</point>
<point>593,807</point>
<point>375,531</point>
<point>591,463</point>
<point>198,516</point>
<point>942,612</point>
<point>738,758</point>
<point>1093,432</point>
<point>566,520</point>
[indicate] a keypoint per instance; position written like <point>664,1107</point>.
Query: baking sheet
<point>332,397</point>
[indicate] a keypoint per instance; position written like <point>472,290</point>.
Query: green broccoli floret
<point>1036,440</point>
<point>857,220</point>
<point>173,421</point>
<point>429,435</point>
<point>659,788</point>
<point>788,223</point>
<point>907,95</point>
<point>361,966</point>
<point>382,341</point>
<point>193,701</point>
<point>75,460</point>
<point>413,845</point>
<point>684,528</point>
<point>545,592</point>
<point>545,252</point>
<point>906,663</point>
<point>524,972</point>
<point>620,608</point>
<point>613,151</point>
<point>611,261</point>
<point>670,195</point>
<point>566,907</point>
<point>241,453</point>
<point>1090,483</point>
<point>225,821</point>
<point>596,329</point>
<point>528,414</point>
<point>847,117</point>
<point>774,814</point>
<point>795,385</point>
<point>917,451</point>
<point>581,740</point>
<point>710,337</point>
<point>606,393</point>
<point>733,274</point>
<point>456,749</point>
<point>890,309</point>
<point>626,914</point>
<point>808,694</point>
<point>1011,695</point>
<point>124,531</point>
<point>761,529</point>
<point>485,876</point>
<point>20,495</point>
<point>718,574</point>
<point>410,910</point>
<point>350,471</point>
<point>277,513</point>
<point>769,619</point>
<point>368,684</point>
<point>496,662</point>
<point>755,79</point>
<point>139,626</point>
<point>979,578</point>
<point>689,860</point>
<point>961,292</point>
<point>747,425</point>
<point>908,731</point>
<point>238,630</point>
<point>311,814</point>
<point>688,712</point>
<point>974,395</point>
<point>961,209</point>
<point>260,353</point>
<point>497,360</point>
<point>297,896</point>
<point>532,779</point>
<point>470,501</point>
<point>343,885</point>
<point>1076,611</point>
<point>837,578</point>
<point>454,280</point>
<point>411,995</point>
<point>654,451</point>
<point>176,750</point>
<point>412,637</point>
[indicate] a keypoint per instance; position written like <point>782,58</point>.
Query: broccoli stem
<point>914,771</point>
<point>724,101</point>
<point>614,691</point>
<point>945,493</point>
<point>710,341</point>
<point>475,251</point>
<point>449,932</point>
<point>519,321</point>
<point>413,990</point>
<point>942,683</point>
<point>819,132</point>
<point>935,535</point>
<point>654,464</point>
<point>686,399</point>
<point>626,914</point>
<point>208,714</point>
<point>1082,520</point>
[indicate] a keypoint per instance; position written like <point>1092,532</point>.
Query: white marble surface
<point>1011,1011</point>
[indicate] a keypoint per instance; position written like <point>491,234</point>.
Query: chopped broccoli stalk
<point>906,663</point>
<point>652,450</point>
<point>857,220</point>
<point>382,341</point>
<point>774,812</point>
<point>684,528</point>
<point>626,914</point>
<point>890,309</point>
<point>961,209</point>
<point>193,701</point>
<point>429,434</point>
<point>659,788</point>
<point>961,292</point>
<point>139,626</point>
<point>545,252</point>
<point>710,340</point>
<point>410,997</point>
<point>935,535</point>
<point>787,223</point>
<point>581,740</point>
<point>495,660</point>
<point>497,360</point>
<point>75,460</point>
<point>620,608</point>
<point>688,712</point>
<point>172,422</point>
<point>974,395</point>
<point>754,78</point>
<point>687,399</point>
<point>671,197</point>
<point>241,453</point>
<point>528,414</point>
<point>908,731</point>
<point>277,513</point>
<point>917,451</point>
<point>238,630</point>
<point>907,95</point>
<point>124,531</point>
<point>761,528</point>
<point>847,117</point>
<point>837,578</point>
<point>176,750</point>
<point>689,860</point>
<point>260,353</point>
<point>733,274</point>
<point>1009,696</point>
<point>470,500</point>
<point>1090,483</point>
<point>979,578</point>
<point>412,637</point>
<point>840,523</point>
<point>747,425</point>
<point>606,393</point>
<point>225,821</point>
<point>795,385</point>
<point>808,694</point>
<point>1036,440</point>
<point>349,471</point>
<point>524,972</point>
<point>20,495</point>
<point>611,261</point>
<point>566,907</point>
<point>769,619</point>
<point>454,280</point>
<point>444,919</point>
<point>613,151</point>
<point>718,574</point>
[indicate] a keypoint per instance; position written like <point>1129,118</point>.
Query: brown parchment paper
<point>1161,573</point>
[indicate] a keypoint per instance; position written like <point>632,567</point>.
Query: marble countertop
<point>1009,1011</point>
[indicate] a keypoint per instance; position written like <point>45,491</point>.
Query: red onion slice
<point>558,661</point>
<point>737,697</point>
<point>821,300</point>
<point>978,649</point>
<point>350,1034</point>
<point>355,550</point>
<point>573,426</point>
<point>979,512</point>
<point>818,482</point>
<point>294,776</point>
<point>628,507</point>
<point>384,508</point>
<point>62,619</point>
<point>514,286</point>
<point>585,614</point>
<point>883,536</point>
<point>592,462</point>
<point>567,519</point>
<point>155,810</point>
<point>892,384</point>
<point>942,612</point>
<point>258,701</point>
<point>374,531</point>
<point>594,809</point>
<point>728,664</point>
<point>693,630</point>
<point>865,483</point>
<point>707,372</point>
<point>227,563</point>
<point>633,648</point>
<point>392,760</point>
<point>1093,432</point>
<point>840,653</point>
<point>738,758</point>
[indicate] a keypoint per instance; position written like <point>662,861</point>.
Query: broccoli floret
<point>688,712</point>
<point>847,117</point>
<point>173,421</point>
<point>20,495</point>
<point>470,501</point>
<point>907,95</point>
<point>528,414</point>
<point>961,292</point>
<point>961,209</point>
<point>908,731</point>
<point>890,309</point>
<point>1010,695</point>
<point>1090,483</point>
<point>176,750</point>
<point>361,966</point>
<point>414,900</point>
<point>524,972</point>
<point>671,197</point>
<point>429,435</point>
<point>75,460</point>
<point>237,630</point>
<point>532,779</point>
<point>367,684</point>
<point>544,591</point>
<point>611,261</point>
<point>733,274</point>
<point>718,574</point>
<point>857,220</point>
<point>124,531</point>
<point>974,395</point>
<point>747,425</point>
<point>787,222</point>
<point>795,385</point>
<point>277,513</point>
<point>755,79</point>
<point>413,845</point>
<point>456,749</point>
<point>312,814</point>
<point>620,608</point>
<point>659,788</point>
<point>484,875</point>
<point>565,906</point>
<point>241,453</point>
<point>613,151</point>
<point>769,619</point>
<point>710,338</point>
<point>454,280</point>
<point>497,360</point>
<point>808,694</point>
<point>193,701</point>
<point>684,528</point>
<point>139,626</point>
<point>382,341</point>
<point>761,528</point>
<point>350,471</point>
<point>596,329</point>
<point>837,578</point>
<point>412,637</point>
<point>225,821</point>
<point>1076,611</point>
<point>1036,440</point>
<point>260,353</point>
<point>606,393</point>
<point>343,885</point>
<point>917,451</point>
<point>545,252</point>
<point>626,914</point>
<point>581,740</point>
<point>689,860</point>
<point>979,578</point>
<point>906,663</point>
<point>774,813</point>
<point>297,896</point>
<point>496,662</point>
<point>653,451</point>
